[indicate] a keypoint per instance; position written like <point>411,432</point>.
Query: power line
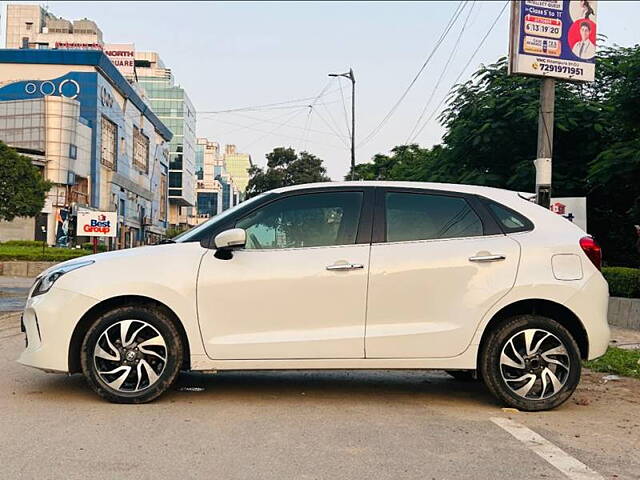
<point>452,21</point>
<point>444,70</point>
<point>257,107</point>
<point>344,106</point>
<point>455,82</point>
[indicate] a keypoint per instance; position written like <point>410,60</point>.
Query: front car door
<point>438,263</point>
<point>298,288</point>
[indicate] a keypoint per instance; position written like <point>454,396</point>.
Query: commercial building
<point>172,105</point>
<point>31,26</point>
<point>215,190</point>
<point>92,135</point>
<point>238,165</point>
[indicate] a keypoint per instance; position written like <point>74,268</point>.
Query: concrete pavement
<point>304,425</point>
<point>301,425</point>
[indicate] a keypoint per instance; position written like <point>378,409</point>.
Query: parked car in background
<point>353,275</point>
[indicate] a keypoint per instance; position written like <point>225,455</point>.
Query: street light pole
<point>351,77</point>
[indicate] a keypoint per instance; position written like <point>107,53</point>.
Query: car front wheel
<point>131,354</point>
<point>531,363</point>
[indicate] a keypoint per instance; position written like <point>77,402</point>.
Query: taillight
<point>592,250</point>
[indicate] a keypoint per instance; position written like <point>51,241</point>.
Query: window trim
<point>379,236</point>
<point>365,217</point>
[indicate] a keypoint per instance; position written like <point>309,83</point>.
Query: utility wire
<point>257,107</point>
<point>452,21</point>
<point>444,70</point>
<point>344,106</point>
<point>455,82</point>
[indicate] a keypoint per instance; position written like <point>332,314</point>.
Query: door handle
<point>345,266</point>
<point>487,258</point>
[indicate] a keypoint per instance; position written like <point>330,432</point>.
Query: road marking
<point>564,462</point>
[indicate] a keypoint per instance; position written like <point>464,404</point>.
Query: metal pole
<point>353,123</point>
<point>543,162</point>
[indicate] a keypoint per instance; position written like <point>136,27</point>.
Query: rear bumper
<point>48,321</point>
<point>591,305</point>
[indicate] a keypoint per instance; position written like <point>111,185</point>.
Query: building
<point>93,136</point>
<point>31,26</point>
<point>215,190</point>
<point>172,105</point>
<point>238,165</point>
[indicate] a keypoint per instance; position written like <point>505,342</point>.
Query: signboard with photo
<point>553,38</point>
<point>92,223</point>
<point>573,209</point>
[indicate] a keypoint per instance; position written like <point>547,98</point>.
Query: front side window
<point>417,216</point>
<point>310,220</point>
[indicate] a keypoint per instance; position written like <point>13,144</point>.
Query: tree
<point>284,168</point>
<point>491,135</point>
<point>22,188</point>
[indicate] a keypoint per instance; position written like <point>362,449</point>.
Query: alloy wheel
<point>130,356</point>
<point>534,364</point>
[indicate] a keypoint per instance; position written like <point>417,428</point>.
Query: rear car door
<point>438,262</point>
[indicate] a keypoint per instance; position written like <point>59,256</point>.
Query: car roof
<point>453,187</point>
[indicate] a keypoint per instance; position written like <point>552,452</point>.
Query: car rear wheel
<point>531,363</point>
<point>131,354</point>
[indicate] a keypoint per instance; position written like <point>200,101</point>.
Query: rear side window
<point>509,220</point>
<point>417,216</point>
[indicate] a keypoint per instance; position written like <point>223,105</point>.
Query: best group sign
<point>553,38</point>
<point>96,224</point>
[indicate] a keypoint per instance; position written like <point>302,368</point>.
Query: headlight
<point>44,283</point>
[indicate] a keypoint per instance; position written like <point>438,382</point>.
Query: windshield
<point>193,232</point>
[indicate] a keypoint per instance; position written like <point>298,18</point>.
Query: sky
<point>232,55</point>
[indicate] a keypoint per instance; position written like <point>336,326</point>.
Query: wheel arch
<point>558,312</point>
<point>85,322</point>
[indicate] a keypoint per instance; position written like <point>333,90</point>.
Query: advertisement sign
<point>91,223</point>
<point>122,55</point>
<point>573,209</point>
<point>553,38</point>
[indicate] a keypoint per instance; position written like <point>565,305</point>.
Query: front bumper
<point>49,321</point>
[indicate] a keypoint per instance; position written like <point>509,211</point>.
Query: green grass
<point>618,361</point>
<point>34,253</point>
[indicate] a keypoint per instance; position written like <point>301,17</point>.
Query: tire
<point>139,368</point>
<point>463,375</point>
<point>551,349</point>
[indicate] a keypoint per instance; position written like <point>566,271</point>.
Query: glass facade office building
<point>174,108</point>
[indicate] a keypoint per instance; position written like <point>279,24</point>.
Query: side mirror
<point>229,239</point>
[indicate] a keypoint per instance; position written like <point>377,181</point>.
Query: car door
<point>438,263</point>
<point>298,288</point>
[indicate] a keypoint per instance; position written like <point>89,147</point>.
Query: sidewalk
<point>625,338</point>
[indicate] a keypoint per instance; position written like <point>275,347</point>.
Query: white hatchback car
<point>354,275</point>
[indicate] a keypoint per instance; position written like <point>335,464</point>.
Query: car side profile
<point>351,275</point>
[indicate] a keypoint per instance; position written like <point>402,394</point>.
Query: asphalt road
<point>305,425</point>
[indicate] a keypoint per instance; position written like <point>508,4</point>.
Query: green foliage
<point>174,231</point>
<point>285,168</point>
<point>22,188</point>
<point>623,282</point>
<point>491,136</point>
<point>618,361</point>
<point>89,246</point>
<point>22,243</point>
<point>34,253</point>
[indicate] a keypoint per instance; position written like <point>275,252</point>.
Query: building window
<point>109,139</point>
<point>73,151</point>
<point>140,150</point>
<point>29,25</point>
<point>163,197</point>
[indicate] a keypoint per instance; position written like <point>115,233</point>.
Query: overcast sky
<point>230,55</point>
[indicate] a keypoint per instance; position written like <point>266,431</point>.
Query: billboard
<point>553,38</point>
<point>91,223</point>
<point>573,209</point>
<point>122,55</point>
